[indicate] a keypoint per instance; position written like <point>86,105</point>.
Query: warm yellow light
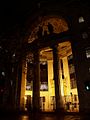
<point>25,97</point>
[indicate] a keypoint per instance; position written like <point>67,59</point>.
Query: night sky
<point>16,12</point>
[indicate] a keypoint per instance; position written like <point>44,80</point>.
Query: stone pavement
<point>45,117</point>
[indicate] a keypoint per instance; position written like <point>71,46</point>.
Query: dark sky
<point>13,12</point>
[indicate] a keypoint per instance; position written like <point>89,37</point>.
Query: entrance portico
<point>35,46</point>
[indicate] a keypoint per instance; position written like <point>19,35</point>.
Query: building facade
<point>53,71</point>
<point>61,51</point>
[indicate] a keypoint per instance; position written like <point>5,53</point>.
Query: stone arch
<point>59,25</point>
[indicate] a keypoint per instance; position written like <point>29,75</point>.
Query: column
<point>36,82</point>
<point>23,86</point>
<point>18,86</point>
<point>82,64</point>
<point>58,97</point>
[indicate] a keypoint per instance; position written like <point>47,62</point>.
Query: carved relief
<point>58,25</point>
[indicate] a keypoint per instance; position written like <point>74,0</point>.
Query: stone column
<point>82,65</point>
<point>58,97</point>
<point>23,86</point>
<point>18,86</point>
<point>36,82</point>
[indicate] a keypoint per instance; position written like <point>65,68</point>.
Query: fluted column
<point>58,97</point>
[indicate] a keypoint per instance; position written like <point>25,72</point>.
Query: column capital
<point>54,46</point>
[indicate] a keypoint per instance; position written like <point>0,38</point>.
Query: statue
<point>50,28</point>
<point>45,33</point>
<point>39,32</point>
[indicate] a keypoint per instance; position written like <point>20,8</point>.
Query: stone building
<point>49,58</point>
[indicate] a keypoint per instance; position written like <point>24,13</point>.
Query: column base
<point>35,110</point>
<point>59,111</point>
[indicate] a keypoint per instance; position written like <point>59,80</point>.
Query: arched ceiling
<point>59,25</point>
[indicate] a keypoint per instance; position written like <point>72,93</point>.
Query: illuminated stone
<point>59,25</point>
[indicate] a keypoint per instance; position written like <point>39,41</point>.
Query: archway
<point>59,25</point>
